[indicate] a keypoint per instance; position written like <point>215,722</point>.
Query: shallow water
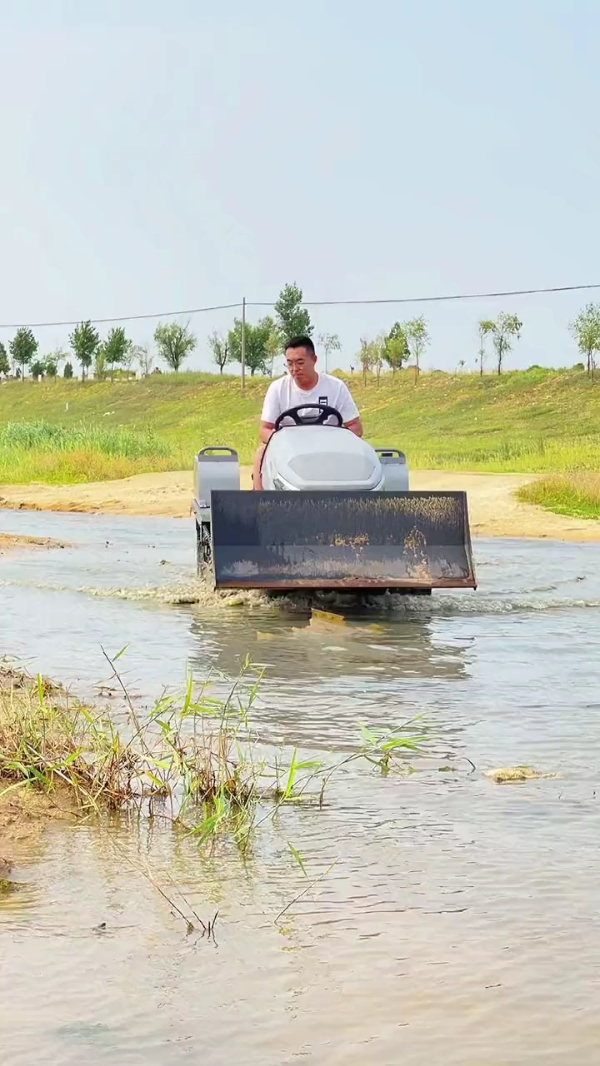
<point>457,925</point>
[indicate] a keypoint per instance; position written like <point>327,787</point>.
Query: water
<point>458,924</point>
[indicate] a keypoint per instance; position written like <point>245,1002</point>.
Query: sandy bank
<point>493,508</point>
<point>9,543</point>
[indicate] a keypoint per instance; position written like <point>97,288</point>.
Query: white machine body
<point>301,459</point>
<point>305,458</point>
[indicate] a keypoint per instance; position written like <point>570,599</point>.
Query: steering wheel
<point>295,413</point>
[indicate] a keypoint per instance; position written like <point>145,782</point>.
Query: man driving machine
<point>303,385</point>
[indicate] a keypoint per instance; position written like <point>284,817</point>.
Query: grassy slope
<point>524,421</point>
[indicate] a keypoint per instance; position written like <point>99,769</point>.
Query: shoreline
<point>494,510</point>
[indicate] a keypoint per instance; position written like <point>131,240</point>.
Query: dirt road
<point>494,510</point>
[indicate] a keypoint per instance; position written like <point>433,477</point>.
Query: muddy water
<point>459,923</point>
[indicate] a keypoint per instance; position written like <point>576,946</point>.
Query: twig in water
<point>148,875</point>
<point>305,891</point>
<point>211,928</point>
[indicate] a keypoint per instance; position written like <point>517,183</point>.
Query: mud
<point>24,812</point>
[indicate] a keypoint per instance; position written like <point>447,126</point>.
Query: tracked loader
<point>333,513</point>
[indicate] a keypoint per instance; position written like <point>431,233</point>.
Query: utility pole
<point>244,343</point>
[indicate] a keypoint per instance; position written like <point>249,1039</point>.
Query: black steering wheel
<point>295,413</point>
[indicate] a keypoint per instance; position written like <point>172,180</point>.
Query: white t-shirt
<point>283,394</point>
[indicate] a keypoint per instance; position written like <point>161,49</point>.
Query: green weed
<point>56,453</point>
<point>194,760</point>
<point>577,495</point>
<point>47,437</point>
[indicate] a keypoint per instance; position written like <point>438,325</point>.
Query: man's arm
<point>355,426</point>
<point>349,411</point>
<point>266,431</point>
<point>269,413</point>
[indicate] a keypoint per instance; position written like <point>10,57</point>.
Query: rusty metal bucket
<point>329,540</point>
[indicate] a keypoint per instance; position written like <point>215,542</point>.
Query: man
<point>303,385</point>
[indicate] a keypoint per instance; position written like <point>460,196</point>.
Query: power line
<point>437,299</point>
<point>305,303</point>
<point>121,318</point>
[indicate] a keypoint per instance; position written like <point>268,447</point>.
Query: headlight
<point>282,486</point>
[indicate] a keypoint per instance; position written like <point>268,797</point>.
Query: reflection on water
<point>457,925</point>
<point>318,683</point>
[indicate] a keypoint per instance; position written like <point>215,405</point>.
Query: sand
<point>9,543</point>
<point>493,508</point>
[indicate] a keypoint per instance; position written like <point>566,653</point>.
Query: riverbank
<point>495,510</point>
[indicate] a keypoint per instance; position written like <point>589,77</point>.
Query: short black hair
<point>301,342</point>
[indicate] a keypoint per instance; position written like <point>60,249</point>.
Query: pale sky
<point>158,156</point>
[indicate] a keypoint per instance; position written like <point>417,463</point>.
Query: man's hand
<point>355,426</point>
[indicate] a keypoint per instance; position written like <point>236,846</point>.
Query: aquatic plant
<point>194,759</point>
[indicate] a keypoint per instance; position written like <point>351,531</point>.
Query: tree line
<point>173,342</point>
<point>96,356</point>
<point>402,345</point>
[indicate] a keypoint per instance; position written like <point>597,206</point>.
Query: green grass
<point>575,495</point>
<point>58,454</point>
<point>524,421</point>
<point>45,437</point>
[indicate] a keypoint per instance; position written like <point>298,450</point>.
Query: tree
<point>486,326</point>
<point>144,358</point>
<point>51,365</point>
<point>4,361</point>
<point>586,330</point>
<point>23,348</point>
<point>53,362</point>
<point>291,318</point>
<point>257,344</point>
<point>84,341</point>
<point>38,369</point>
<point>395,349</point>
<point>99,363</point>
<point>273,347</point>
<point>378,348</point>
<point>116,349</point>
<point>68,371</point>
<point>219,347</point>
<point>417,338</point>
<point>505,328</point>
<point>366,357</point>
<point>174,343</point>
<point>330,342</point>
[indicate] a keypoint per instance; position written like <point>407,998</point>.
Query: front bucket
<point>353,540</point>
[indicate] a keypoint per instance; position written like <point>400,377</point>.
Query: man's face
<point>301,366</point>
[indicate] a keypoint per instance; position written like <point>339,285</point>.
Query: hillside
<point>533,420</point>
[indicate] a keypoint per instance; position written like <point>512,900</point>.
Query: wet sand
<point>493,508</point>
<point>9,543</point>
